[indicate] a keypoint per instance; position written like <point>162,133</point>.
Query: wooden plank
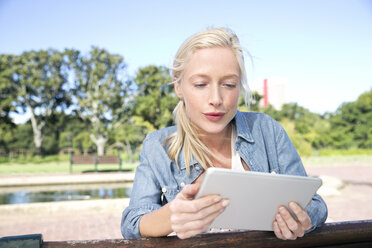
<point>83,159</point>
<point>339,234</point>
<point>24,241</point>
<point>106,159</point>
<point>95,160</point>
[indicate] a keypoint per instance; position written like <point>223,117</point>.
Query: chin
<point>213,128</point>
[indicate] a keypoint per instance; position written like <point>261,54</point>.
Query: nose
<point>215,97</point>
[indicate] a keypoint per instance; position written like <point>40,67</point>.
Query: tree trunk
<point>128,147</point>
<point>38,139</point>
<point>100,143</point>
<point>37,130</point>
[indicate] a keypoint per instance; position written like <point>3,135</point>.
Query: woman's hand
<point>190,217</point>
<point>287,227</point>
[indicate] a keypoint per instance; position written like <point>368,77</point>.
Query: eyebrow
<point>228,76</point>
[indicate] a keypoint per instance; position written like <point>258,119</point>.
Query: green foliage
<point>83,142</point>
<point>349,128</point>
<point>56,167</point>
<point>73,133</point>
<point>352,123</point>
<point>133,132</point>
<point>22,137</point>
<point>253,105</point>
<point>130,158</point>
<point>8,91</point>
<point>36,159</point>
<point>7,130</point>
<point>345,152</point>
<point>303,146</point>
<point>155,99</point>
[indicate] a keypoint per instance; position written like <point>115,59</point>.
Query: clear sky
<point>323,48</point>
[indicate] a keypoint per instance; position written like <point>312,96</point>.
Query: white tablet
<point>254,196</point>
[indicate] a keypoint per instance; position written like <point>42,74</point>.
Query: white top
<point>236,161</point>
<point>236,164</point>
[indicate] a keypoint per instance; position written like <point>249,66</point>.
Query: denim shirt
<point>260,141</point>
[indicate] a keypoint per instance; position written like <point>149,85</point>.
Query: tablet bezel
<point>254,206</point>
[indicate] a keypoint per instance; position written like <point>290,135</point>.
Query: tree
<point>351,125</point>
<point>7,94</point>
<point>72,133</point>
<point>82,141</point>
<point>21,138</point>
<point>36,83</point>
<point>155,99</point>
<point>301,126</point>
<point>101,92</point>
<point>132,133</point>
<point>254,104</point>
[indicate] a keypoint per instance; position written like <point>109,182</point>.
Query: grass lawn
<point>364,160</point>
<point>64,167</point>
<point>59,167</point>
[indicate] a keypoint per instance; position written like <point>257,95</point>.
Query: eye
<point>229,85</point>
<point>200,85</point>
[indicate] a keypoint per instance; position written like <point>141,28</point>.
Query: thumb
<point>190,190</point>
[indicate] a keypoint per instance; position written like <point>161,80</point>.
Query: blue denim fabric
<point>261,142</point>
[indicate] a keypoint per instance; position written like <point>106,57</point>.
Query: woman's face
<point>210,88</point>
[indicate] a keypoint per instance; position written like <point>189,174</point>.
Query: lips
<point>214,116</point>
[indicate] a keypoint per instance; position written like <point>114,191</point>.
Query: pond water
<point>53,193</point>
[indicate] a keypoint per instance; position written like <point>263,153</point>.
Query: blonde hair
<point>186,135</point>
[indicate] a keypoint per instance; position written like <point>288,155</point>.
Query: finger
<point>194,206</point>
<point>201,214</point>
<point>292,224</point>
<point>189,191</point>
<point>196,226</point>
<point>287,234</point>
<point>277,231</point>
<point>301,215</point>
<point>188,234</point>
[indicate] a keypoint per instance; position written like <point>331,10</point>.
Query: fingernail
<point>279,218</point>
<point>225,203</point>
<point>217,199</point>
<point>282,210</point>
<point>292,205</point>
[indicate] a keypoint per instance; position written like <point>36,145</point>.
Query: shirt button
<point>197,168</point>
<point>182,184</point>
<point>164,189</point>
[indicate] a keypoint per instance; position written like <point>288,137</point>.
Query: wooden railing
<point>338,234</point>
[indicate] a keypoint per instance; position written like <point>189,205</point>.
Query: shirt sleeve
<point>290,163</point>
<point>144,198</point>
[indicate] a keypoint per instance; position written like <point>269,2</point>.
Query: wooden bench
<point>337,234</point>
<point>24,241</point>
<point>94,159</point>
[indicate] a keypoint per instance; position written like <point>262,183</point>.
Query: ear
<point>177,89</point>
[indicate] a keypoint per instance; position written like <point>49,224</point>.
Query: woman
<point>209,76</point>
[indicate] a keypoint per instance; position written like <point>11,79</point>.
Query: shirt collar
<point>242,127</point>
<point>242,130</point>
<point>182,163</point>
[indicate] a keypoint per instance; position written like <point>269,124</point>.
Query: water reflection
<point>64,193</point>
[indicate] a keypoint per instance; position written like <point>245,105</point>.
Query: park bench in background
<point>94,160</point>
<point>338,234</point>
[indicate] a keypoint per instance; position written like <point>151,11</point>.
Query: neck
<point>218,143</point>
